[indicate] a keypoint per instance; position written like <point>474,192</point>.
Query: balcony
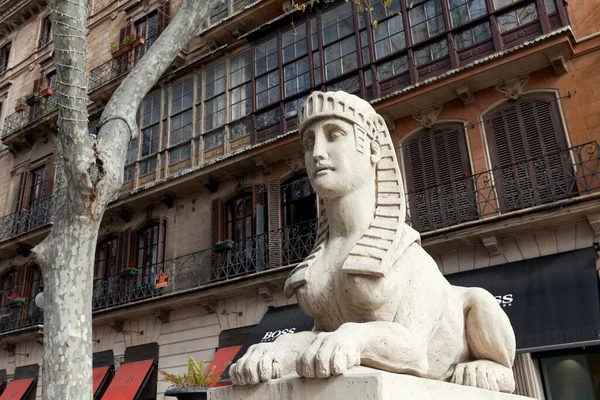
<point>25,316</point>
<point>550,178</point>
<point>247,257</point>
<point>23,128</point>
<point>14,13</point>
<point>23,228</point>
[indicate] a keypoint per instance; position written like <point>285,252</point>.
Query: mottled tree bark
<point>92,169</point>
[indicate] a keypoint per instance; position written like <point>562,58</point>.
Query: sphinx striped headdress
<point>370,255</point>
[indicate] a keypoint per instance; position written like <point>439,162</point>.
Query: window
<point>148,28</point>
<point>214,105</point>
<point>550,6</point>
<point>4,56</point>
<point>51,80</point>
<point>148,246</point>
<point>477,34</point>
<point>241,92</point>
<point>440,191</point>
<point>426,20</point>
<point>9,286</point>
<point>463,11</point>
<point>150,141</point>
<point>46,32</point>
<point>267,73</point>
<point>527,148</point>
<point>295,68</point>
<point>339,48</point>
<point>181,120</point>
<point>298,201</point>
<point>214,139</point>
<point>107,259</point>
<point>239,216</point>
<point>516,18</point>
<point>431,52</point>
<point>130,158</point>
<point>389,37</point>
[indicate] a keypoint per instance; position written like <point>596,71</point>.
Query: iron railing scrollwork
<point>541,180</point>
<point>23,221</point>
<point>30,114</point>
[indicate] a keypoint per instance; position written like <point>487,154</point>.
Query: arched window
<point>299,213</point>
<point>528,152</point>
<point>438,177</point>
<point>239,218</point>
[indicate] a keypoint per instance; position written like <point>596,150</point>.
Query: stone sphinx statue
<point>377,298</point>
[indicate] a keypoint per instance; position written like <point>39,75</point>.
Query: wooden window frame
<point>4,57</point>
<point>45,32</point>
<point>225,234</point>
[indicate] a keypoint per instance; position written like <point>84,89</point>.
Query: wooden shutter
<point>48,182</point>
<point>38,85</point>
<point>164,15</point>
<point>527,147</point>
<point>275,236</point>
<point>214,223</point>
<point>124,251</point>
<point>21,198</point>
<point>437,169</point>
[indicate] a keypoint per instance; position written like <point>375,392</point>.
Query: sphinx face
<point>334,165</point>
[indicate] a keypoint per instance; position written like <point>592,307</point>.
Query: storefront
<point>554,308</point>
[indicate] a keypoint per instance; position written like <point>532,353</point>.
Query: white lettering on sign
<point>271,336</point>
<point>506,300</point>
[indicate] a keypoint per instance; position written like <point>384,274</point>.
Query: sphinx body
<point>378,299</point>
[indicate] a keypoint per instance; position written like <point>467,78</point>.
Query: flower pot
<point>47,92</point>
<point>188,393</point>
<point>139,41</point>
<point>223,246</point>
<point>20,107</point>
<point>129,273</point>
<point>117,53</point>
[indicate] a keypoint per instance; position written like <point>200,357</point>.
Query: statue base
<point>358,383</point>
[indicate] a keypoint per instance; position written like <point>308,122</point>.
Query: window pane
<point>350,85</point>
<point>213,139</point>
<point>337,23</point>
<point>268,118</point>
<point>389,37</point>
<point>393,67</point>
<point>215,113</point>
<point>241,101</point>
<point>292,107</point>
<point>550,6</point>
<point>515,18</point>
<point>240,68</point>
<point>477,34</point>
<point>431,52</point>
<point>241,129</point>
<point>180,154</point>
<point>267,89</point>
<point>265,56</point>
<point>294,43</point>
<point>215,80</point>
<point>426,20</point>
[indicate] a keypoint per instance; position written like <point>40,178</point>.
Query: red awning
<point>17,389</point>
<point>128,380</point>
<point>222,360</point>
<point>100,377</point>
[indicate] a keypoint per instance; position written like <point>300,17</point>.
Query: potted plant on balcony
<point>32,98</point>
<point>193,385</point>
<point>223,245</point>
<point>115,51</point>
<point>127,43</point>
<point>15,300</point>
<point>139,40</point>
<point>129,272</point>
<point>21,106</point>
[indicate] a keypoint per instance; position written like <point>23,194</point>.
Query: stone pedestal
<point>361,384</point>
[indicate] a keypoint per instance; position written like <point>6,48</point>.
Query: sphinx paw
<point>329,354</point>
<point>484,374</point>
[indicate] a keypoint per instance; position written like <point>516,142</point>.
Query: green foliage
<point>129,39</point>
<point>195,377</point>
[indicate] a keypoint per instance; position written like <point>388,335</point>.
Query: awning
<point>551,301</point>
<point>222,360</point>
<point>101,377</point>
<point>18,389</point>
<point>277,321</point>
<point>129,380</point>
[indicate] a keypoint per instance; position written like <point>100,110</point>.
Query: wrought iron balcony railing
<point>274,249</point>
<point>13,317</point>
<point>118,65</point>
<point>29,115</point>
<point>549,178</point>
<point>21,222</point>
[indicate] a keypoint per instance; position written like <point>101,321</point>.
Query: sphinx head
<point>341,151</point>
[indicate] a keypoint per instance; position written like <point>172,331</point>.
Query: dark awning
<point>18,389</point>
<point>277,321</point>
<point>551,301</point>
<point>129,380</point>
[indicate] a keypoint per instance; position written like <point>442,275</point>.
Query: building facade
<point>494,108</point>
